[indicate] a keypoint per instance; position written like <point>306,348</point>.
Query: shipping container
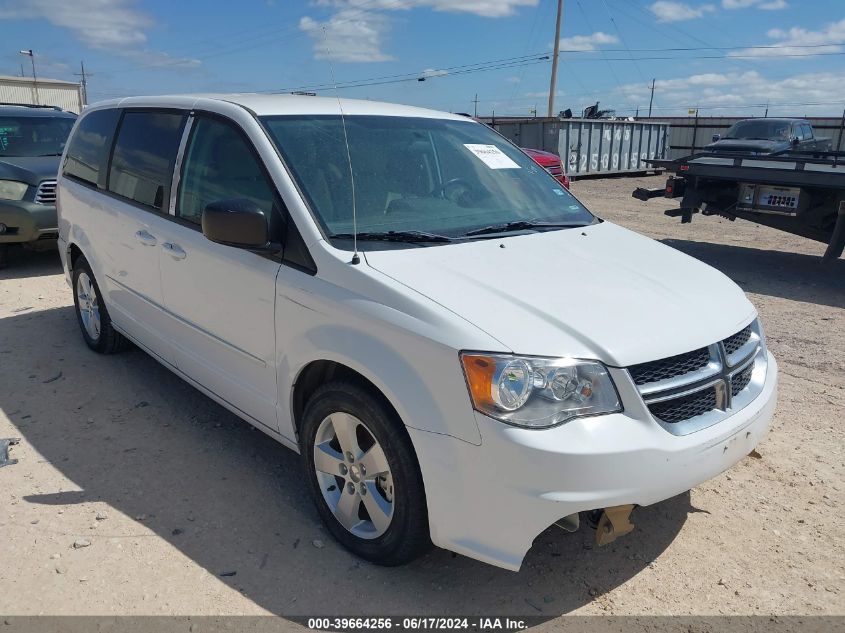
<point>592,146</point>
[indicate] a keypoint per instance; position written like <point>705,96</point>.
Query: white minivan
<point>462,353</point>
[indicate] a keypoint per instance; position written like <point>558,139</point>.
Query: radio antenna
<point>355,258</point>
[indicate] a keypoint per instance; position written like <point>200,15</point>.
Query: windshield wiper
<point>519,225</point>
<point>53,154</point>
<point>394,236</point>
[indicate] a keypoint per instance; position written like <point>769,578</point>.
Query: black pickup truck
<point>769,136</point>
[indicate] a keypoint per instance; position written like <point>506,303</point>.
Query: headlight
<point>538,392</point>
<point>12,189</point>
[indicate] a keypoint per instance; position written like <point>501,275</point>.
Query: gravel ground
<point>135,494</point>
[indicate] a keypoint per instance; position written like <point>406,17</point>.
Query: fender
<point>422,382</point>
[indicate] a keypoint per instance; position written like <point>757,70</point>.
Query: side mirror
<point>239,222</point>
<point>716,137</point>
<point>795,140</point>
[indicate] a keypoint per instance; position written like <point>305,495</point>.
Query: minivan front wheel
<point>364,475</point>
<point>94,320</point>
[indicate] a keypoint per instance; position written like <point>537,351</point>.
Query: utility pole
<point>28,52</point>
<point>84,82</point>
<point>475,101</point>
<point>651,100</point>
<point>553,81</point>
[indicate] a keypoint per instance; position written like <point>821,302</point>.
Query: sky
<point>723,57</point>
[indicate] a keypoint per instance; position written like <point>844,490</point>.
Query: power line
<point>507,62</point>
<point>627,48</point>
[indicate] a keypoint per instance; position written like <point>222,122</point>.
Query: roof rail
<point>31,105</point>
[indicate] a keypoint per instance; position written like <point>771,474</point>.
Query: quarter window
<point>220,165</point>
<point>144,156</point>
<point>89,146</point>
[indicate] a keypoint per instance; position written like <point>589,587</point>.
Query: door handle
<point>174,250</point>
<point>147,239</point>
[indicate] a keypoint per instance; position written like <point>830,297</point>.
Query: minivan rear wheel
<point>91,312</point>
<point>363,474</point>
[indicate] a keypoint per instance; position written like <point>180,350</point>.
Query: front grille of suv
<point>671,367</point>
<point>685,407</point>
<point>46,193</point>
<point>733,343</point>
<point>687,392</point>
<point>740,380</point>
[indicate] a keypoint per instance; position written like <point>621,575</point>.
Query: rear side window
<point>87,153</point>
<point>144,156</point>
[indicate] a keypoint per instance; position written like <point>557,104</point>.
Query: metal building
<point>53,92</point>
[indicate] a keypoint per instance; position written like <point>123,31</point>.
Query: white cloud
<point>795,40</point>
<point>737,90</point>
<point>587,42</point>
<point>356,30</point>
<point>513,79</point>
<point>670,11</point>
<point>431,72</point>
<point>767,5</point>
<point>348,36</point>
<point>109,25</point>
<point>483,8</point>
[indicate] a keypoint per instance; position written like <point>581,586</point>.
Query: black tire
<point>4,255</point>
<point>407,535</point>
<point>109,341</point>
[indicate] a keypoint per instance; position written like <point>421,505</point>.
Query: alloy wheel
<point>354,475</point>
<point>88,305</point>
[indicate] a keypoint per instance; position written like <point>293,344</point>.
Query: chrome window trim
<point>177,167</point>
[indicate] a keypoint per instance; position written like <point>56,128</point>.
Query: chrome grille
<point>46,193</point>
<point>685,407</point>
<point>733,343</point>
<point>671,367</point>
<point>740,380</point>
<point>691,391</point>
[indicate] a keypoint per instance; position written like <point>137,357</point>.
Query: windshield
<point>767,130</point>
<point>33,136</point>
<point>435,176</point>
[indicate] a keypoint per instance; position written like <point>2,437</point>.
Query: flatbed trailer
<point>800,193</point>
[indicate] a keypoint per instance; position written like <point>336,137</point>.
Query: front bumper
<point>490,502</point>
<point>27,221</point>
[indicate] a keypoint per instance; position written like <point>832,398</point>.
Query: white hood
<point>598,292</point>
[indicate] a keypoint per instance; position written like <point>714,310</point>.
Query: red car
<point>551,163</point>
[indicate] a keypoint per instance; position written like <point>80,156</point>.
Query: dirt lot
<point>187,510</point>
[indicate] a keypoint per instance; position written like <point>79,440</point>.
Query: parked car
<point>31,141</point>
<point>767,136</point>
<point>551,163</point>
<point>462,354</point>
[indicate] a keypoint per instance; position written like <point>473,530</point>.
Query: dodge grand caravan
<point>461,352</point>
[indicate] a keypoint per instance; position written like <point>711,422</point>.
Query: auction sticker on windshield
<point>492,156</point>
